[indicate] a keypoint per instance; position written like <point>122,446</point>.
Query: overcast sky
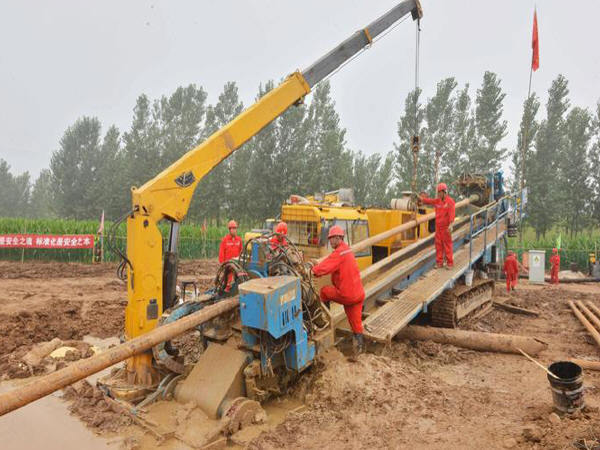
<point>62,59</point>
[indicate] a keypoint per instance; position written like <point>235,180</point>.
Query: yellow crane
<point>151,280</point>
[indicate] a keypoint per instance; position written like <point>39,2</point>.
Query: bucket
<point>468,277</point>
<point>567,391</point>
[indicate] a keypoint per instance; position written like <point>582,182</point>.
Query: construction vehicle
<point>309,218</point>
<point>268,334</point>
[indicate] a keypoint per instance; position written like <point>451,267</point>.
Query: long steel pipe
<point>47,384</point>
<point>404,227</point>
<point>586,323</point>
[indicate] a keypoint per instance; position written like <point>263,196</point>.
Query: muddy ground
<point>407,395</point>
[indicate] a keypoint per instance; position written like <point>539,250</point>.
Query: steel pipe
<point>586,323</point>
<point>47,384</point>
<point>401,228</point>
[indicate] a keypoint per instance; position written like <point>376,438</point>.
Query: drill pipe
<point>586,323</point>
<point>47,384</point>
<point>401,228</point>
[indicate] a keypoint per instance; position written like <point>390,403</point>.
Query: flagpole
<point>525,130</point>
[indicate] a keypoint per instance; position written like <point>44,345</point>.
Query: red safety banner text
<point>46,241</point>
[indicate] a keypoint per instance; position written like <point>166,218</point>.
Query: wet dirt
<point>41,301</point>
<point>407,395</point>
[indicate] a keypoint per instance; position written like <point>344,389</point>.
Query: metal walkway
<point>384,323</point>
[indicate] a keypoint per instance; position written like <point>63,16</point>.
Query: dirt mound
<point>69,320</point>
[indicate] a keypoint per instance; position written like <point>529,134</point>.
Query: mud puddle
<point>47,422</point>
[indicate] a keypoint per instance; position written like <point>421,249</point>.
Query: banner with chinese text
<point>65,241</point>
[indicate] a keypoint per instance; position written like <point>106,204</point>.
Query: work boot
<point>358,346</point>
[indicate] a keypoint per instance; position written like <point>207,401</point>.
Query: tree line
<point>305,151</point>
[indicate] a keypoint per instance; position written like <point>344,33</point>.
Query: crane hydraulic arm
<point>150,280</point>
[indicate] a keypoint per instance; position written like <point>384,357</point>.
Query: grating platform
<point>384,323</point>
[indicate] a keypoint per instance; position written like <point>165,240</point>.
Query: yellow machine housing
<point>309,220</point>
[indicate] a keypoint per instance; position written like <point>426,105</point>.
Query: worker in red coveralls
<point>511,269</point>
<point>444,217</point>
<point>347,286</point>
<point>554,266</point>
<point>279,239</point>
<point>231,247</point>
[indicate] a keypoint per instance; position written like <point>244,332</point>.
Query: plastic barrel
<point>567,390</point>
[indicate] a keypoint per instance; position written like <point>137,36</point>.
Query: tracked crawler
<point>461,303</point>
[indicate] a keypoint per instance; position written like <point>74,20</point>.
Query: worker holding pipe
<point>347,289</point>
<point>554,266</point>
<point>279,239</point>
<point>444,217</point>
<point>511,270</point>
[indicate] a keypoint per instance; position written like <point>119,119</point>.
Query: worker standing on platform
<point>511,270</point>
<point>231,244</point>
<point>444,217</point>
<point>347,286</point>
<point>554,266</point>
<point>279,239</point>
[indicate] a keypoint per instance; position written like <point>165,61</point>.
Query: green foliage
<point>14,192</point>
<point>574,249</point>
<point>487,156</point>
<point>544,171</point>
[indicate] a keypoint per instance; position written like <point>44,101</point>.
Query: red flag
<point>204,226</point>
<point>535,45</point>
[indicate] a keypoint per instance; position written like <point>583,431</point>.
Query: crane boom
<point>167,196</point>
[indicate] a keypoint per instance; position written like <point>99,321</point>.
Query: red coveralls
<point>347,287</point>
<point>444,216</point>
<point>511,269</point>
<point>231,247</point>
<point>554,268</point>
<point>275,242</point>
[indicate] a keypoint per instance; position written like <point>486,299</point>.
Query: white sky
<point>66,58</point>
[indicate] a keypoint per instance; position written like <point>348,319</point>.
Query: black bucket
<point>567,390</point>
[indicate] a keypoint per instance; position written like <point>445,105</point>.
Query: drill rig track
<point>462,303</point>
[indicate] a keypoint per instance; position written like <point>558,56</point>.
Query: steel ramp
<point>384,323</point>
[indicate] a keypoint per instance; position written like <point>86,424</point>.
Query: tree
<point>215,190</point>
<point>180,118</point>
<point>528,130</point>
<point>411,123</point>
<point>439,114</point>
<point>549,144</point>
<point>487,156</point>
<point>329,162</point>
<point>141,153</point>
<point>42,201</point>
<point>112,193</point>
<point>76,169</point>
<point>595,166</point>
<point>463,138</point>
<point>264,183</point>
<point>14,191</point>
<point>574,183</point>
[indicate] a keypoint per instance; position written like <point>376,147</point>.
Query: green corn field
<point>573,249</point>
<point>194,243</point>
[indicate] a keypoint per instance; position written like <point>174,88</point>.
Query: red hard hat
<point>554,250</point>
<point>232,224</point>
<point>442,187</point>
<point>281,228</point>
<point>335,231</point>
